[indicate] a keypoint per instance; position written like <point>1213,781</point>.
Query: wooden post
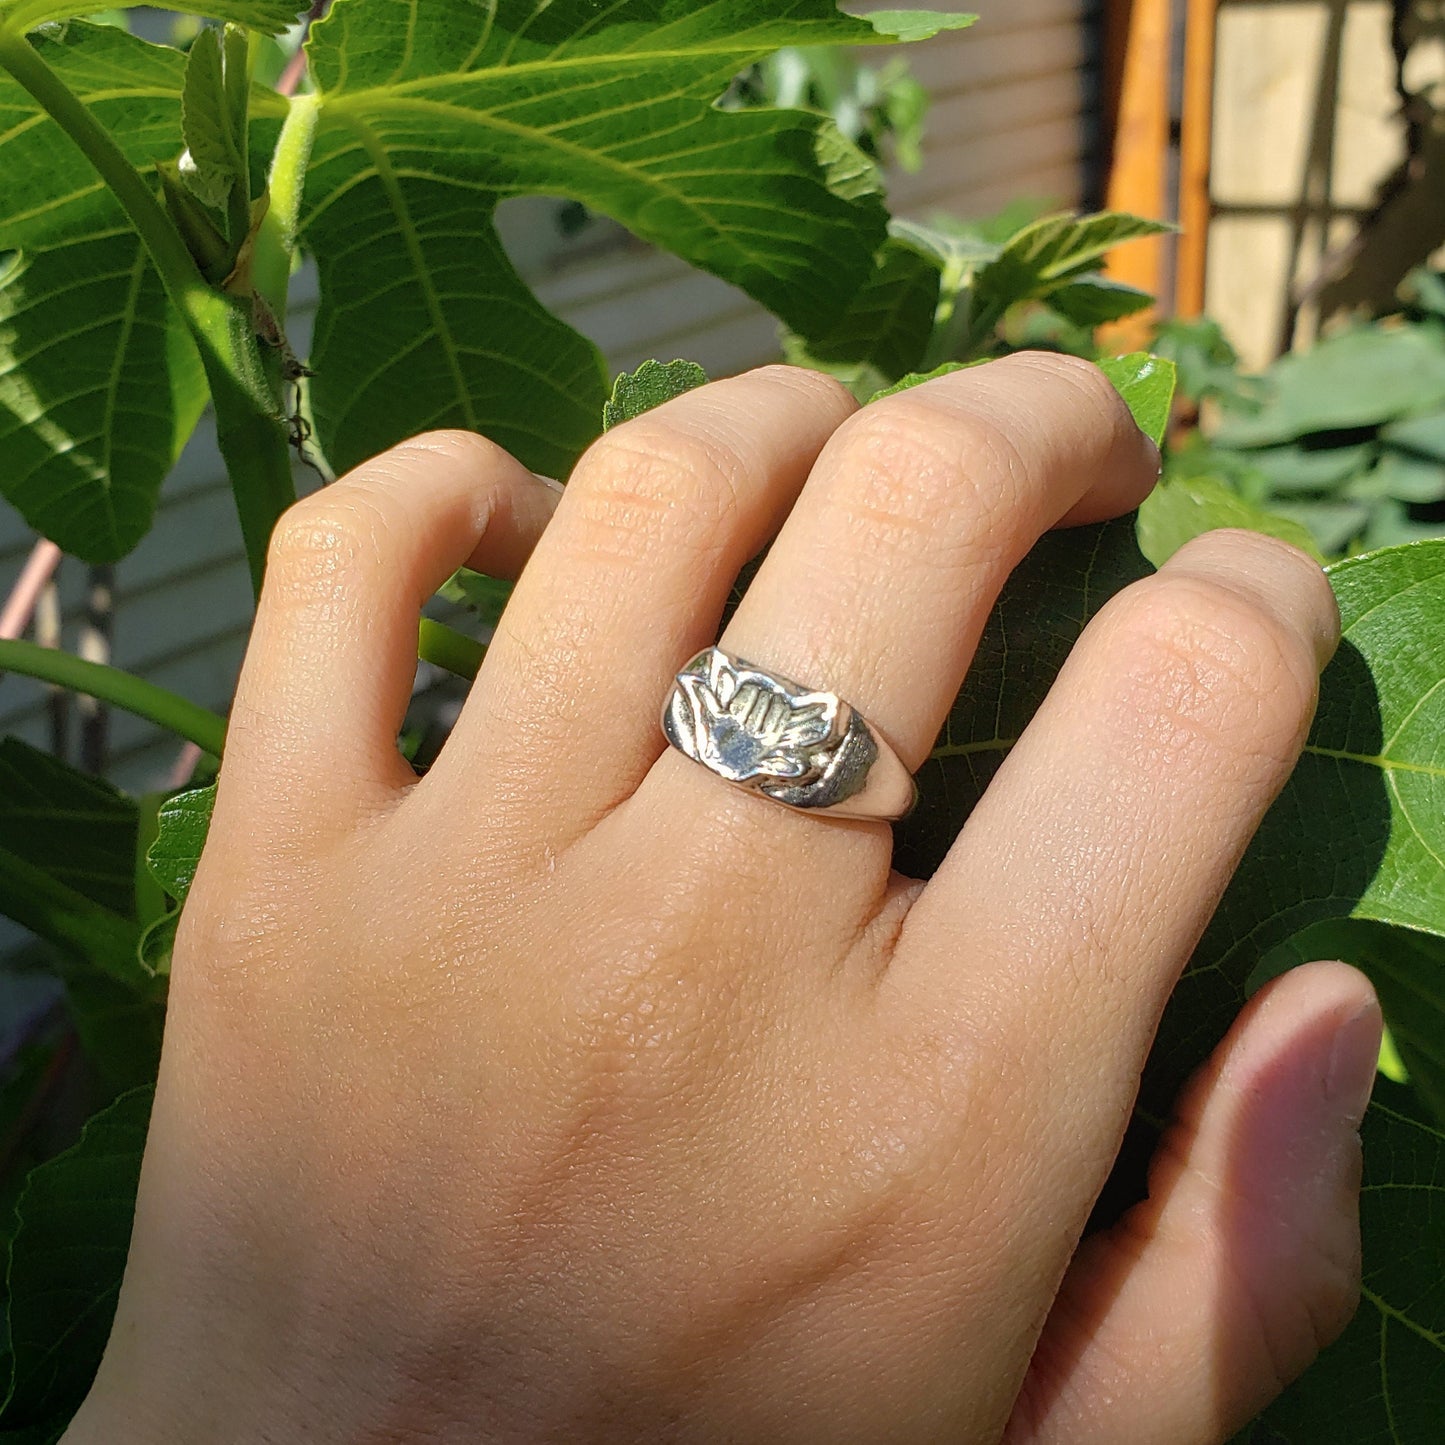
<point>1138,43</point>
<point>1195,147</point>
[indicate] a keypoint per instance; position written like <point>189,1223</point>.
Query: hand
<point>569,1094</point>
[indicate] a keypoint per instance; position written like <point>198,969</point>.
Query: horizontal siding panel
<point>970,120</point>
<point>978,61</point>
<point>722,349</point>
<point>999,15</point>
<point>955,178</point>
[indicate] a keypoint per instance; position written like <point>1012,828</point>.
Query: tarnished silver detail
<point>771,736</point>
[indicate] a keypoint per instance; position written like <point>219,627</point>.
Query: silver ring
<point>773,737</point>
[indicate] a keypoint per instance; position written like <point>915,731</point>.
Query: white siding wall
<point>1012,98</point>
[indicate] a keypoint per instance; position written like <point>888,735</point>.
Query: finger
<point>1184,1320</point>
<point>331,662</point>
<point>659,518</point>
<point>1089,869</point>
<point>919,508</point>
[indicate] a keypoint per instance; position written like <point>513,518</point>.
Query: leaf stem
<point>276,237</point>
<point>452,651</point>
<point>121,689</point>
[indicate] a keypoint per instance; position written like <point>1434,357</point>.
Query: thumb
<point>1184,1320</point>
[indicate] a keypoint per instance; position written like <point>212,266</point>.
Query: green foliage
<point>940,292</point>
<point>650,385</point>
<point>1183,507</point>
<point>1147,385</point>
<point>1384,1372</point>
<point>421,123</point>
<point>66,1256</point>
<point>183,823</point>
<point>1346,439</point>
<point>99,384</point>
<point>881,109</point>
<point>269,17</point>
<point>418,120</point>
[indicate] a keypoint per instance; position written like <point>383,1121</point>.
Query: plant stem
<point>445,647</point>
<point>250,427</point>
<point>187,719</point>
<point>276,237</point>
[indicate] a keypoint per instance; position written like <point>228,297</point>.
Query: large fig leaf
<point>268,16</point>
<point>430,115</point>
<point>99,384</point>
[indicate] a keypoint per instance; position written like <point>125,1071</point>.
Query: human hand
<point>569,1094</point>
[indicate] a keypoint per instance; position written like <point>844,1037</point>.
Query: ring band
<point>771,736</point>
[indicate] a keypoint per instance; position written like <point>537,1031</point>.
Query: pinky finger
<point>1184,1320</point>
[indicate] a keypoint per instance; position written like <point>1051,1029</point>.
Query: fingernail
<point>1354,1060</point>
<point>551,482</point>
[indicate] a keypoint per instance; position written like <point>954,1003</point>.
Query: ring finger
<point>916,511</point>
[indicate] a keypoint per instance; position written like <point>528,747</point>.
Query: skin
<point>569,1094</point>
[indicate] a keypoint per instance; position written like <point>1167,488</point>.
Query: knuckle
<point>1219,668</point>
<point>809,383</point>
<point>1080,375</point>
<point>932,485</point>
<point>324,542</point>
<point>648,485</point>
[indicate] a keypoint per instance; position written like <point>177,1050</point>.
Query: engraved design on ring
<point>771,736</point>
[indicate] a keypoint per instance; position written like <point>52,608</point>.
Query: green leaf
<point>1040,258</point>
<point>268,16</point>
<point>67,860</point>
<point>1424,435</point>
<point>1385,732</point>
<point>1381,1380</point>
<point>1405,476</point>
<point>182,825</point>
<point>99,383</point>
<point>428,119</point>
<point>80,830</point>
<point>213,140</point>
<point>1179,509</point>
<point>1093,300</point>
<point>887,324</point>
<point>157,943</point>
<point>485,596</point>
<point>1408,971</point>
<point>1309,468</point>
<point>916,24</point>
<point>917,378</point>
<point>653,383</point>
<point>24,1079</point>
<point>66,1261</point>
<point>119,1028</point>
<point>954,250</point>
<point>1361,378</point>
<point>1147,385</point>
